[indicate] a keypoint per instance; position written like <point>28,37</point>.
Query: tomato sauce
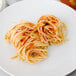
<point>69,4</point>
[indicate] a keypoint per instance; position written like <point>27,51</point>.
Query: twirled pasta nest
<point>31,41</point>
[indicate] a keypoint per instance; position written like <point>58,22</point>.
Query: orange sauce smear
<point>68,3</point>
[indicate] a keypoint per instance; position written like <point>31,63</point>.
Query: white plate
<point>61,60</point>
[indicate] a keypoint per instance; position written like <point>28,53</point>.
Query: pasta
<point>31,41</point>
<point>51,30</point>
<point>23,38</point>
<point>46,30</point>
<point>54,20</point>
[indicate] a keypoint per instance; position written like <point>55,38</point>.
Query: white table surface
<point>2,73</point>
